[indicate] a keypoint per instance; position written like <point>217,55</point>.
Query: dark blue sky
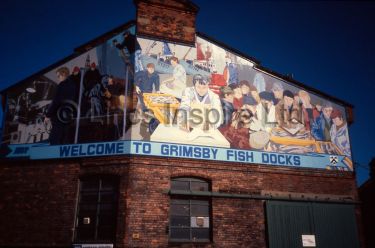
<point>327,45</point>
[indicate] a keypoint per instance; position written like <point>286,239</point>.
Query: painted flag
<point>200,55</point>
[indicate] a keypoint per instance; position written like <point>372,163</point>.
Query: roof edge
<point>98,40</point>
<point>76,52</point>
<point>92,43</point>
<point>302,85</point>
<point>275,74</point>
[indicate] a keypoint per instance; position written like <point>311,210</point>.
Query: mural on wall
<point>141,93</point>
<point>82,100</point>
<point>205,95</point>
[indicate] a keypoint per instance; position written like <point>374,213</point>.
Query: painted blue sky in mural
<point>329,46</point>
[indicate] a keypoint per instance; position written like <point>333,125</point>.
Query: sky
<point>328,45</point>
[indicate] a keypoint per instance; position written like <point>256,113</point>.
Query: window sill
<point>179,241</point>
<point>93,244</point>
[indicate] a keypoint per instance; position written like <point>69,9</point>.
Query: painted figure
<point>259,82</point>
<point>130,42</point>
<point>200,107</point>
<point>265,110</point>
<point>321,127</point>
<point>238,132</point>
<point>249,92</point>
<point>278,90</point>
<point>146,81</point>
<point>250,104</point>
<point>339,132</point>
<point>96,100</point>
<point>288,111</point>
<point>76,75</point>
<point>237,94</point>
<point>91,78</point>
<point>317,109</point>
<point>115,107</point>
<point>308,110</point>
<point>226,98</point>
<point>230,72</point>
<point>65,98</point>
<point>177,83</point>
<point>113,91</point>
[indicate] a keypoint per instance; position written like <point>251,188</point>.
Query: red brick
<point>38,198</point>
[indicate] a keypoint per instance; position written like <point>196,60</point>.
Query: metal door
<point>333,225</point>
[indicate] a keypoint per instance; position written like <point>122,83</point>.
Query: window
<point>189,215</point>
<point>97,210</point>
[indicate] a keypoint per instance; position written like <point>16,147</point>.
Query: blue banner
<point>45,151</point>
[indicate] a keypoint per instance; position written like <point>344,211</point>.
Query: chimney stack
<point>170,20</point>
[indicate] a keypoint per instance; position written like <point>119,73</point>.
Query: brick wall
<point>37,203</point>
<point>38,199</point>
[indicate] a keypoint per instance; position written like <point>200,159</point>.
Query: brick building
<point>366,194</point>
<point>141,183</point>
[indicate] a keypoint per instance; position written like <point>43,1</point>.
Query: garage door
<point>294,224</point>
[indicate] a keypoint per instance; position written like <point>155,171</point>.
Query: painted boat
<point>166,68</point>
